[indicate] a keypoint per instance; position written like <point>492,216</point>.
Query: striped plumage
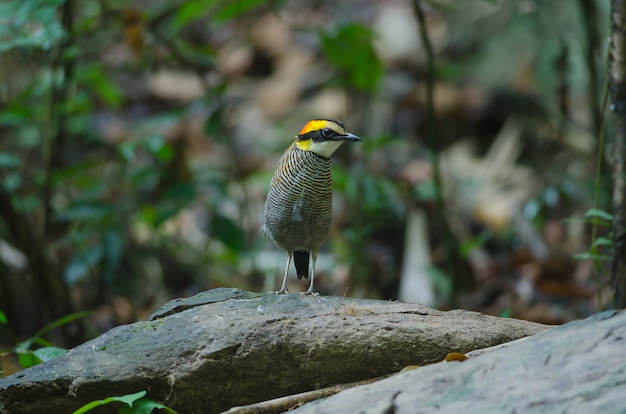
<point>298,210</point>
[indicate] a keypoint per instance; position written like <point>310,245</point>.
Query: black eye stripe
<point>323,134</point>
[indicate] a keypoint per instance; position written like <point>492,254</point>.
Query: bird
<point>298,209</point>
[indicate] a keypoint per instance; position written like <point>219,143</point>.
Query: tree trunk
<point>617,86</point>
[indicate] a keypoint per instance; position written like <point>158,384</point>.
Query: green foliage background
<point>120,222</point>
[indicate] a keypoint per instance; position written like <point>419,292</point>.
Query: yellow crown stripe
<point>313,125</point>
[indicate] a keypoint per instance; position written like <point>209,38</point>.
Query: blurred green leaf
<point>441,281</point>
<point>27,203</point>
<point>42,342</point>
<point>350,50</point>
<point>128,399</point>
<point>147,214</point>
<point>388,191</point>
<point>32,23</point>
<point>191,11</point>
<point>3,318</point>
<point>127,149</point>
<point>79,170</point>
<point>82,263</point>
<point>228,232</point>
<point>145,406</point>
<point>220,10</point>
<point>233,9</point>
<point>144,178</point>
<point>592,256</point>
<point>28,359</point>
<point>164,153</point>
<point>84,212</point>
<point>14,118</point>
<point>48,353</point>
<point>213,126</point>
<point>201,54</point>
<point>506,313</point>
<point>95,77</point>
<point>379,195</point>
<point>473,243</point>
<point>426,190</point>
<point>154,143</point>
<point>602,241</point>
<point>594,221</point>
<point>81,236</point>
<point>9,160</point>
<point>175,198</point>
<point>11,181</point>
<point>113,251</point>
<point>600,214</point>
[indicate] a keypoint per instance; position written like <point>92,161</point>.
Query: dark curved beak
<point>348,137</point>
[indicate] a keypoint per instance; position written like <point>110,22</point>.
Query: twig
<point>282,404</point>
<point>453,264</point>
<point>590,19</point>
<point>597,185</point>
<point>589,14</point>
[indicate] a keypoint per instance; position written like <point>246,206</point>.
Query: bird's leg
<point>283,288</point>
<point>310,290</point>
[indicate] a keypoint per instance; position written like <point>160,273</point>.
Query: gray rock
<point>576,368</point>
<point>227,347</point>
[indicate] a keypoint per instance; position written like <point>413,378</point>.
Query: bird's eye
<point>327,132</point>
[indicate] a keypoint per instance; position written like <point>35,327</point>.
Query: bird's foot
<point>310,293</point>
<point>279,292</point>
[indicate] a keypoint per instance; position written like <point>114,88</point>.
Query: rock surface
<point>576,368</point>
<point>226,347</point>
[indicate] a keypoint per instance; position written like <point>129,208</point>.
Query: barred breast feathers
<point>300,197</point>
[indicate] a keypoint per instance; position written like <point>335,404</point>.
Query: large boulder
<point>227,347</point>
<point>577,368</point>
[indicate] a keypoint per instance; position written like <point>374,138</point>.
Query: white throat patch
<point>325,148</point>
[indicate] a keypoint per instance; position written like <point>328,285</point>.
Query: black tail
<point>301,260</point>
